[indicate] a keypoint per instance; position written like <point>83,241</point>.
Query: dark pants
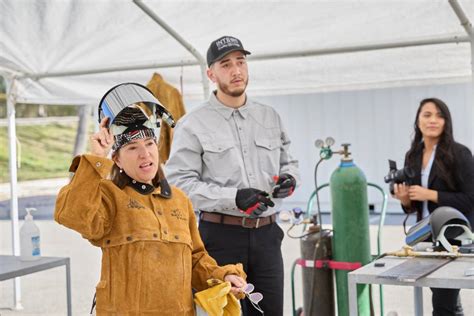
<point>446,302</point>
<point>259,251</point>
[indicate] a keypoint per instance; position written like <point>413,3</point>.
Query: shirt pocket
<point>268,151</point>
<point>182,243</point>
<point>179,230</point>
<point>221,161</point>
<point>105,297</point>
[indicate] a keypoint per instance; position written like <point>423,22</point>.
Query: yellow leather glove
<point>218,300</point>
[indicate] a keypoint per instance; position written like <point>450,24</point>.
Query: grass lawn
<point>46,151</point>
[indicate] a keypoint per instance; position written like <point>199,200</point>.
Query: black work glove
<point>284,187</point>
<point>253,202</point>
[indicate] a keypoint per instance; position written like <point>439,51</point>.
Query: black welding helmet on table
<point>445,227</point>
<point>450,227</point>
<point>132,103</point>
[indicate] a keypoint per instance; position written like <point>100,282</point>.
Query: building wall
<point>377,123</point>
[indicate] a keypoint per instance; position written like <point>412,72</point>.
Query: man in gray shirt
<point>230,155</point>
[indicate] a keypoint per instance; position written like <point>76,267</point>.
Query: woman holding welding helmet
<point>444,176</point>
<point>152,254</point>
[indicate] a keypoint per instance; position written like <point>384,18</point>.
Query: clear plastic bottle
<point>29,238</point>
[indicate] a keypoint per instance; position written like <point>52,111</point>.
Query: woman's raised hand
<point>102,141</point>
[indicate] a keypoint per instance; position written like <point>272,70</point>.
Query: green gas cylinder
<point>350,220</point>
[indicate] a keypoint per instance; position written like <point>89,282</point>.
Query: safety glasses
<point>254,297</point>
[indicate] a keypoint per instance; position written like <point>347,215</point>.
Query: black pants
<point>446,302</point>
<point>259,251</point>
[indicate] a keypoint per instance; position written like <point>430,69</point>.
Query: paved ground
<point>44,293</point>
<point>33,188</point>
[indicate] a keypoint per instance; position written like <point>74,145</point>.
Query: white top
<point>425,175</point>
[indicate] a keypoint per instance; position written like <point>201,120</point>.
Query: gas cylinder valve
<point>298,217</point>
<point>345,152</point>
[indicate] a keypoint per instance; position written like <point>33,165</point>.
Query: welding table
<point>12,267</point>
<point>449,276</point>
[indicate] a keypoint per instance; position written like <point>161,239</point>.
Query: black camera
<point>406,175</point>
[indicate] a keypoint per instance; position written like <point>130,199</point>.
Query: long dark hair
<point>444,159</point>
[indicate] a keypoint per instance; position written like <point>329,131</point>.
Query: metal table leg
<point>353,309</point>
<point>68,285</point>
<point>418,296</point>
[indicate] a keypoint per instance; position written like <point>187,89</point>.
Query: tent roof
<point>56,35</point>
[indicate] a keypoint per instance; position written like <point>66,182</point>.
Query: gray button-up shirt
<point>217,150</point>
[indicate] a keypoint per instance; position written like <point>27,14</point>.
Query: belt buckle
<point>256,224</point>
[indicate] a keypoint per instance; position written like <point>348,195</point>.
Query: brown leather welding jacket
<point>152,254</point>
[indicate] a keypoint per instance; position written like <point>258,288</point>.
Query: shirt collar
<point>225,110</point>
<point>163,189</point>
<point>140,187</point>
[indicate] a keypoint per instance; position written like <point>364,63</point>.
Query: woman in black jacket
<point>444,176</point>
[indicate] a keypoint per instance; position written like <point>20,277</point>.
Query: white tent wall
<point>378,123</point>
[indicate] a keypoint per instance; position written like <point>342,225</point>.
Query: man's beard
<point>235,93</point>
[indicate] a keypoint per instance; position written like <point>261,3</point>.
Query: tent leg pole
<point>205,81</point>
<point>467,25</point>
<point>82,129</point>
<point>13,186</point>
<point>472,85</point>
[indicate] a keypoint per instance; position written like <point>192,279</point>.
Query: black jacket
<point>462,198</point>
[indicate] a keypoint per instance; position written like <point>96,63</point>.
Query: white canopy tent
<point>44,42</point>
<point>71,52</point>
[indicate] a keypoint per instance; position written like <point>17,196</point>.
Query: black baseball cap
<point>223,46</point>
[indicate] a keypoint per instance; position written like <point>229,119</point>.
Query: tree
<point>3,86</point>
